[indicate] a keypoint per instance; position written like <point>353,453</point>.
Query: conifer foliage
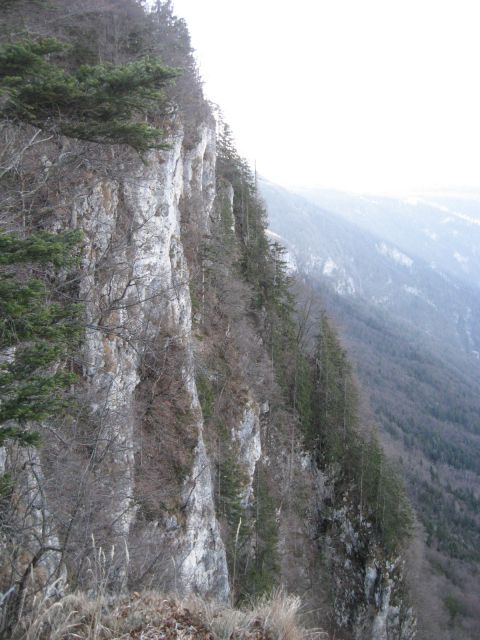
<point>262,262</point>
<point>339,442</point>
<point>99,103</point>
<point>238,277</point>
<point>103,103</point>
<point>36,333</point>
<point>316,383</point>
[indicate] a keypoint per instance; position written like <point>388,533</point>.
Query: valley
<point>408,308</point>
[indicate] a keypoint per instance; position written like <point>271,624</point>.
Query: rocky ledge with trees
<point>177,414</point>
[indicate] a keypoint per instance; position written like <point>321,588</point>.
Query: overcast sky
<point>364,95</point>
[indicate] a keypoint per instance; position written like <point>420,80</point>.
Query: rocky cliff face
<point>136,285</point>
<point>138,477</point>
<point>180,463</point>
<point>368,590</point>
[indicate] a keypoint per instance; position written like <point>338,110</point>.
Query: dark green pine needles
<point>101,103</point>
<point>36,333</point>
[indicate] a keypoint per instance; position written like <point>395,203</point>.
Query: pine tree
<point>362,469</point>
<point>99,103</point>
<point>262,574</point>
<point>36,333</point>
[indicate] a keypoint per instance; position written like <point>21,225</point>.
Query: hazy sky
<point>368,95</point>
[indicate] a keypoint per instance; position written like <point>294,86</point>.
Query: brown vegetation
<point>154,616</point>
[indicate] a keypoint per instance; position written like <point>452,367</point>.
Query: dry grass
<point>152,616</point>
<point>276,617</point>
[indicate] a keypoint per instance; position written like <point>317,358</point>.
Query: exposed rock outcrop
<point>182,464</point>
<point>368,589</point>
<point>136,287</point>
<point>247,436</point>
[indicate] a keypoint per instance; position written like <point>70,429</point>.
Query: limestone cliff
<point>136,287</point>
<point>181,463</point>
<point>136,224</point>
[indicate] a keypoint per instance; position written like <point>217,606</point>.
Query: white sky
<point>365,95</point>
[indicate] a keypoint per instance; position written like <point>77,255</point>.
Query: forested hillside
<point>411,330</point>
<point>176,413</point>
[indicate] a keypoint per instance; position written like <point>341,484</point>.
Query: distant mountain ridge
<point>438,219</point>
<point>401,278</point>
<point>352,255</point>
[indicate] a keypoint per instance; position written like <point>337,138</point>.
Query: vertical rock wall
<point>367,583</point>
<point>136,286</point>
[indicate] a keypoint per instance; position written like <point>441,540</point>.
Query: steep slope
<point>442,228</point>
<point>387,275</point>
<point>175,456</point>
<point>409,328</point>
